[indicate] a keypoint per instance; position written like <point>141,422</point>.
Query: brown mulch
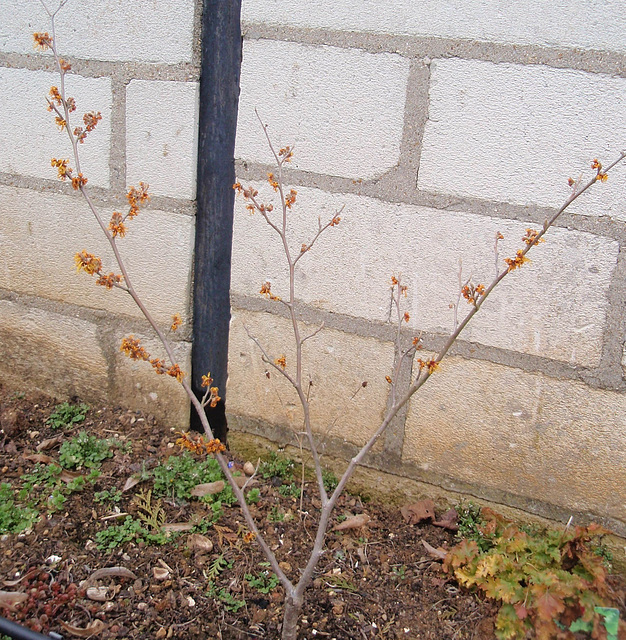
<point>374,582</point>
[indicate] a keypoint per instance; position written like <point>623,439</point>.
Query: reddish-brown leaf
<point>421,511</point>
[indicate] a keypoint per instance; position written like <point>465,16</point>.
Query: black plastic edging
<point>219,100</point>
<point>18,632</point>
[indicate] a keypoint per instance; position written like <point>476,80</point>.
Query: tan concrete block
<point>40,234</point>
<point>337,363</point>
<point>136,385</point>
<point>558,441</point>
<point>57,354</point>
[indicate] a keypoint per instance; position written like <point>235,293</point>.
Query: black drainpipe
<point>219,99</point>
<point>17,631</point>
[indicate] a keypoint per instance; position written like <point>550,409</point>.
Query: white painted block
<point>554,307</point>
<point>588,25</point>
<point>342,109</point>
<point>58,354</point>
<point>337,363</point>
<point>162,136</point>
<point>134,30</point>
<point>516,133</point>
<point>522,433</point>
<point>41,232</point>
<point>29,137</point>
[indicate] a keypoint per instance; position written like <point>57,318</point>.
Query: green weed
<point>253,496</point>
<point>66,415</point>
<point>113,495</point>
<point>130,530</point>
<point>84,450</point>
<point>264,581</point>
<point>178,475</point>
<point>277,466</point>
<point>13,517</point>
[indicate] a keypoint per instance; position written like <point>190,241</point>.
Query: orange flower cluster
<point>109,281</point>
<point>272,180</point>
<point>131,347</point>
<point>304,248</point>
<point>401,287</point>
<point>266,290</point>
<point>471,293</point>
<point>247,195</point>
<point>286,154</point>
<point>388,379</point>
<point>335,221</point>
<point>417,342</point>
<point>200,445</point>
<point>116,225</point>
<point>136,198</point>
<point>596,164</point>
<point>92,265</point>
<point>291,198</point>
<point>60,122</point>
<point>56,99</point>
<point>531,237</point>
<point>281,362</point>
<point>249,537</point>
<point>213,395</point>
<point>431,365</point>
<point>62,166</point>
<point>90,120</point>
<point>177,321</point>
<point>78,181</point>
<point>43,41</point>
<point>65,65</point>
<point>406,317</point>
<point>88,263</point>
<point>517,262</point>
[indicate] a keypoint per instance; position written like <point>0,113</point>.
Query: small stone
<point>160,573</point>
<point>99,594</point>
<point>142,606</point>
<point>200,543</point>
<point>248,468</point>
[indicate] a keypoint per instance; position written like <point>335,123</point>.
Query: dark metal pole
<point>17,631</point>
<point>219,99</point>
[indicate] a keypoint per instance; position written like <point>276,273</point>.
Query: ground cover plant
<point>329,491</point>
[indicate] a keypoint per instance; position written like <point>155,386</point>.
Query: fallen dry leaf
<point>92,629</point>
<point>130,483</point>
<point>41,458</point>
<point>107,572</point>
<point>210,488</point>
<point>67,476</point>
<point>421,511</point>
<point>354,522</point>
<point>8,599</point>
<point>448,520</point>
<point>440,553</point>
<point>50,443</point>
<point>176,527</point>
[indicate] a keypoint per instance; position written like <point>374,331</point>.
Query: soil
<point>377,581</point>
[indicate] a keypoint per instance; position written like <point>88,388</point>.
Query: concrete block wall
<point>138,64</point>
<point>435,125</point>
